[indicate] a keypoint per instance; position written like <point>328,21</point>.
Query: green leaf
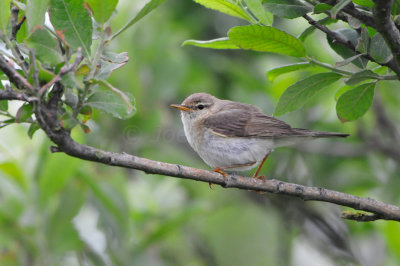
<point>321,8</point>
<point>275,72</point>
<point>24,113</point>
<point>347,61</point>
<point>299,93</point>
<point>32,129</point>
<point>142,13</point>
<point>4,105</point>
<point>354,103</point>
<point>102,9</point>
<point>68,121</point>
<point>14,171</point>
<point>72,23</point>
<point>349,35</point>
<point>4,14</point>
<point>286,8</point>
<point>47,49</point>
<point>266,39</point>
<point>367,3</point>
<point>35,13</point>
<point>342,90</point>
<point>258,10</point>
<point>224,6</point>
<point>112,103</point>
<point>379,49</point>
<point>364,41</point>
<point>220,43</point>
<point>110,62</point>
<point>339,6</point>
<point>361,76</point>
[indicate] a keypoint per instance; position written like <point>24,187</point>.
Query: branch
<point>386,27</point>
<point>347,43</point>
<point>47,118</point>
<point>19,81</point>
<point>9,94</point>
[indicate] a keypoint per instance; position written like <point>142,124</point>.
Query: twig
<point>14,76</point>
<point>64,70</point>
<point>339,39</point>
<point>360,217</point>
<point>15,26</point>
<point>9,94</point>
<point>386,27</point>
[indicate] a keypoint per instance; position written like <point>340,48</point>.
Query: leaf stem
<point>327,66</point>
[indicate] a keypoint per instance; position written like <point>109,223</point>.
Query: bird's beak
<point>181,107</point>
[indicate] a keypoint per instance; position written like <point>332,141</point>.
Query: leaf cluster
<point>367,58</point>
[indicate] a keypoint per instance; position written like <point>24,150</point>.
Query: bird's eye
<point>200,106</point>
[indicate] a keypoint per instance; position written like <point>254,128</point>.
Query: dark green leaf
<point>275,72</point>
<point>102,9</point>
<point>220,43</point>
<point>367,3</point>
<point>286,8</point>
<point>72,23</point>
<point>379,49</point>
<point>24,113</point>
<point>345,52</point>
<point>258,10</point>
<point>4,14</point>
<point>35,13</point>
<point>142,13</point>
<point>32,129</point>
<point>361,76</point>
<point>347,61</point>
<point>224,6</point>
<point>321,8</point>
<point>339,6</point>
<point>342,90</point>
<point>68,121</point>
<point>299,93</point>
<point>4,105</point>
<point>364,41</point>
<point>266,39</point>
<point>112,103</point>
<point>355,103</point>
<point>47,49</point>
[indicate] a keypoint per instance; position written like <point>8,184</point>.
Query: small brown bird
<point>233,136</point>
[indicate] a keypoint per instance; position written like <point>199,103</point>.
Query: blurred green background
<point>58,210</point>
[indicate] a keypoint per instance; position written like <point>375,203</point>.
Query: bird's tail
<point>317,134</point>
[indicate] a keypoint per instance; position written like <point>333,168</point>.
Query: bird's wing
<point>246,123</point>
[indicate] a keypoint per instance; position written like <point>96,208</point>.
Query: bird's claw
<point>218,170</point>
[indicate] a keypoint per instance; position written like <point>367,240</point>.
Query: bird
<point>231,136</point>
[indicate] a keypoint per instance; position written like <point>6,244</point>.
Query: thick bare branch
<point>19,81</point>
<point>385,25</point>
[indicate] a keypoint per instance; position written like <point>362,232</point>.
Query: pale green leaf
<point>224,6</point>
<point>102,9</point>
<point>266,39</point>
<point>361,76</point>
<point>4,14</point>
<point>275,72</point>
<point>35,13</point>
<point>142,13</point>
<point>261,14</point>
<point>72,23</point>
<point>354,103</point>
<point>112,103</point>
<point>46,47</point>
<point>295,96</point>
<point>339,6</point>
<point>220,43</point>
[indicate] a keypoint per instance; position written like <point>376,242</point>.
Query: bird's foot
<point>261,177</point>
<point>219,170</point>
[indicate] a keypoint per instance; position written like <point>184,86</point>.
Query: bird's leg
<point>220,169</point>
<point>259,168</point>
